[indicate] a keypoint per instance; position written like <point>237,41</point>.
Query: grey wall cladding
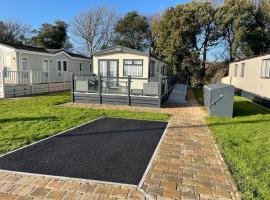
<point>116,99</point>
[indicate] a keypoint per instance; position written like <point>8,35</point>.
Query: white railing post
<point>49,80</point>
<point>19,75</point>
<point>64,80</point>
<point>31,81</point>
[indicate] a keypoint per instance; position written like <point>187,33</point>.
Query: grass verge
<point>244,142</point>
<point>26,120</point>
<point>198,93</point>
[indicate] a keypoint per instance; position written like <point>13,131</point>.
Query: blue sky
<point>36,12</point>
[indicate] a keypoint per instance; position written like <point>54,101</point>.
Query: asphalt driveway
<point>108,149</point>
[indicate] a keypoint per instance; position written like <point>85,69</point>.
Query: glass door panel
<point>113,69</point>
<point>112,73</point>
<point>103,65</point>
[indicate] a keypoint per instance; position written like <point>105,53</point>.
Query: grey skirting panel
<point>116,99</point>
<point>85,98</point>
<point>253,97</point>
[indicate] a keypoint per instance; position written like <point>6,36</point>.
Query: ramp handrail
<point>218,99</point>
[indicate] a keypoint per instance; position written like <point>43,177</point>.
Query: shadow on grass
<point>25,119</point>
<point>244,108</point>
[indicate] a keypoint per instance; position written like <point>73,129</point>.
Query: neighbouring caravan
<point>251,78</point>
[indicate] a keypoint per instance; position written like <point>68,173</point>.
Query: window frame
<point>45,73</point>
<point>242,69</point>
<point>27,61</point>
<point>152,69</point>
<point>59,72</point>
<point>133,60</point>
<point>57,62</point>
<point>267,76</point>
<point>45,59</point>
<point>7,59</point>
<point>66,65</point>
<point>235,71</point>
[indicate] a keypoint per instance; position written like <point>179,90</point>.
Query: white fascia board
<point>7,47</point>
<point>34,52</point>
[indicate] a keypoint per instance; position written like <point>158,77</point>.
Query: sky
<point>36,12</point>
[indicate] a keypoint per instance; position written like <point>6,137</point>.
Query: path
<point>178,95</point>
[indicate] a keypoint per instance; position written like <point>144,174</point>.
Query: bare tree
<point>93,29</point>
<point>13,31</point>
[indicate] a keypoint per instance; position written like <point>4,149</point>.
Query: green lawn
<point>245,144</point>
<point>25,120</point>
<point>198,93</point>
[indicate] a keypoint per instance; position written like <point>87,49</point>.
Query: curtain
<point>133,70</point>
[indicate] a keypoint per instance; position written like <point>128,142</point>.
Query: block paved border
<point>186,165</point>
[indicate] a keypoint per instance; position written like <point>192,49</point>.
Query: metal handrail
<point>218,99</point>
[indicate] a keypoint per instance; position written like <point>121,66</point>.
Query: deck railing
<point>33,77</point>
<point>23,83</point>
<point>159,88</point>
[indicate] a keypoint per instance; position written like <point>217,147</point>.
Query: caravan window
<point>235,70</point>
<point>152,68</point>
<point>265,70</point>
<point>133,68</point>
<point>242,70</point>
<point>59,66</point>
<point>64,65</point>
<point>25,66</point>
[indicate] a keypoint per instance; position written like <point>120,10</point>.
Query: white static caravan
<point>251,78</point>
<point>26,70</point>
<point>17,57</point>
<point>119,61</point>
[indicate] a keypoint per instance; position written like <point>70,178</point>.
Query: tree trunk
<point>230,50</point>
<point>204,62</point>
<point>230,39</point>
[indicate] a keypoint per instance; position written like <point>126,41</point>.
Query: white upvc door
<point>109,69</point>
